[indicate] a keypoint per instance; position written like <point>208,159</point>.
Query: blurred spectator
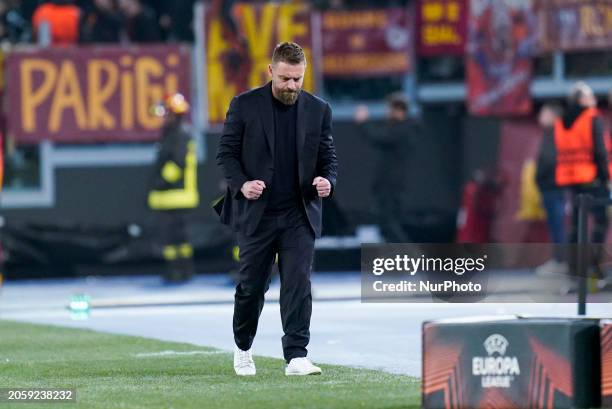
<point>181,20</point>
<point>553,196</point>
<point>478,207</point>
<point>141,24</point>
<point>14,27</point>
<point>392,142</point>
<point>101,23</point>
<point>175,18</point>
<point>28,7</point>
<point>62,19</point>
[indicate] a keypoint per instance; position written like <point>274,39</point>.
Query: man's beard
<point>288,97</point>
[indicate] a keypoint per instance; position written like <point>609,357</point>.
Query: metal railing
<point>584,203</point>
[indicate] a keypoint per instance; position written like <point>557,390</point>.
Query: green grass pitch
<point>115,371</point>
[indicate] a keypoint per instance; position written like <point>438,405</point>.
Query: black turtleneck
<point>284,192</point>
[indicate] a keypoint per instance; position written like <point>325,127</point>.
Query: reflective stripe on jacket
<point>182,197</point>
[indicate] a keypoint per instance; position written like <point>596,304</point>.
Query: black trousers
<point>174,243</point>
<point>289,235</point>
<point>599,227</point>
<point>390,212</point>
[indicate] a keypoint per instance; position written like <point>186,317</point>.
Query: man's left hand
<point>323,186</point>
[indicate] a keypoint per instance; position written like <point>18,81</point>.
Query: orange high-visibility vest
<point>575,153</point>
<point>608,142</point>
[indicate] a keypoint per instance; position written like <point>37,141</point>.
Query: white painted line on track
<point>178,353</point>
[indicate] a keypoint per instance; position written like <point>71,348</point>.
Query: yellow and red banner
<point>571,25</point>
<point>501,42</point>
<point>366,42</point>
<point>238,61</point>
<point>442,28</point>
<point>86,94</point>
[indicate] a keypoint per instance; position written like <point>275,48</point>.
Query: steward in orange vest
<point>582,166</point>
<point>581,150</point>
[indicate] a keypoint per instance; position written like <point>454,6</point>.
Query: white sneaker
<point>552,268</point>
<point>604,284</point>
<point>301,366</point>
<point>243,362</point>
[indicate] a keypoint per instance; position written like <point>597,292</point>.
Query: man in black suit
<point>278,157</point>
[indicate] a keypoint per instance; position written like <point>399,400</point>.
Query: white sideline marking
<point>177,353</point>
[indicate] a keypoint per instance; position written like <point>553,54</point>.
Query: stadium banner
<point>441,27</point>
<point>572,25</point>
<point>499,65</point>
<point>92,94</point>
<point>369,43</point>
<point>606,364</point>
<point>237,60</point>
<point>511,362</point>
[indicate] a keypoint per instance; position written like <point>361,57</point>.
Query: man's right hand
<point>253,189</point>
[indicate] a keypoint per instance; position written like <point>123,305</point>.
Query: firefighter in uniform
<point>174,191</point>
<point>582,164</point>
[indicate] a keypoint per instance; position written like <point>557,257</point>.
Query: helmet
<point>177,104</point>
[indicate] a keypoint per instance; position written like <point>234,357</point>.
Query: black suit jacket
<point>246,150</point>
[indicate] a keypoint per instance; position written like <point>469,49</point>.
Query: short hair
<point>398,100</point>
<point>288,52</point>
<point>577,91</point>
